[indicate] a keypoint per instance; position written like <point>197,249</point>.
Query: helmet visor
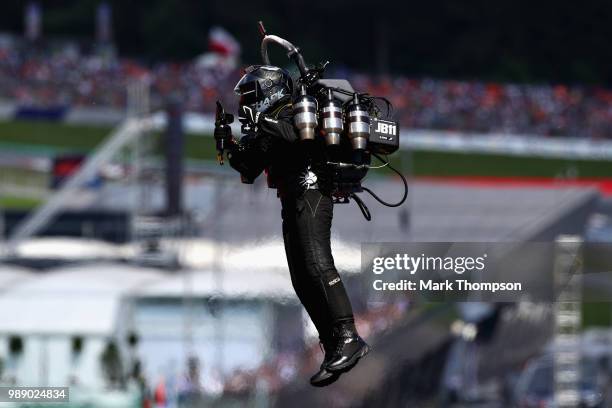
<point>249,91</point>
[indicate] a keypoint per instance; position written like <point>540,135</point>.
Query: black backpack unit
<point>354,126</point>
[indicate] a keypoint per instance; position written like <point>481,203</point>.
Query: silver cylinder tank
<point>358,125</point>
<point>305,115</point>
<point>332,125</point>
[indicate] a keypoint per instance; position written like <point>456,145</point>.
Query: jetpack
<point>353,124</point>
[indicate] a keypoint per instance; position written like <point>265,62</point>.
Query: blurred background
<point>140,273</point>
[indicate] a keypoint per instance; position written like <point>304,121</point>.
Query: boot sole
<point>328,381</point>
<point>351,362</point>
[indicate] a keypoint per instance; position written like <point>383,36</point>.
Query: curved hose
<point>364,208</point>
<point>293,52</point>
<point>380,200</point>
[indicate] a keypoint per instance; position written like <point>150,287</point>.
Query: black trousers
<point>307,221</point>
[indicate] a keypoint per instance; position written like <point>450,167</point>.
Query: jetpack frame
<point>353,124</point>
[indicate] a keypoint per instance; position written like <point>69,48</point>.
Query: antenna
<point>262,29</point>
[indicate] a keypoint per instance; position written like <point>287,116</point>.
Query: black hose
<point>380,200</point>
<point>364,208</point>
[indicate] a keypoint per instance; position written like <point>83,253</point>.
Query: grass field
<point>10,202</point>
<point>61,137</point>
<point>54,135</point>
<point>596,314</point>
<point>461,164</point>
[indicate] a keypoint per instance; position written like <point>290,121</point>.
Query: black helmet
<point>263,86</point>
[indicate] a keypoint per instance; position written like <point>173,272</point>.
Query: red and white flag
<point>222,42</point>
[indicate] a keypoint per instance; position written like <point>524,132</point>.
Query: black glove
<point>223,140</point>
<point>249,119</point>
<point>247,158</point>
<point>223,132</point>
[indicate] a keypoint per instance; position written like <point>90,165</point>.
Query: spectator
<point>65,77</point>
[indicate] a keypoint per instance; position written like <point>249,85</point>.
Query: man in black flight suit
<point>304,182</point>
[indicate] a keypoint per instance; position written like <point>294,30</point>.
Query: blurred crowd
<point>557,110</point>
<point>244,387</point>
<point>68,78</point>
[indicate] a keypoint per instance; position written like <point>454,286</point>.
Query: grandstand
<point>88,88</point>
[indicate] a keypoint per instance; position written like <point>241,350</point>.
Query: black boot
<point>349,348</point>
<point>323,377</point>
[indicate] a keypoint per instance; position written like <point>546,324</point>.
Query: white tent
<point>256,255</point>
<point>69,249</point>
<point>11,275</point>
<point>83,299</point>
